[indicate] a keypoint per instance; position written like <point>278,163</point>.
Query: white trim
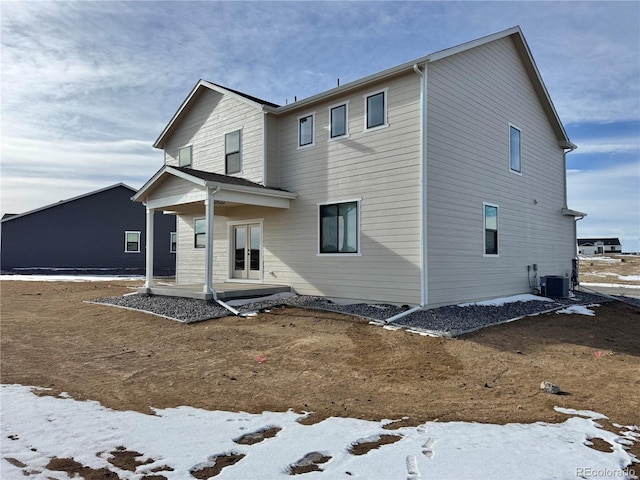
<point>385,112</point>
<point>512,170</point>
<point>126,233</point>
<point>484,229</point>
<point>313,130</point>
<point>346,121</point>
<point>231,253</point>
<point>358,201</point>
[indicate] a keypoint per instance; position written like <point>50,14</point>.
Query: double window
<point>376,110</point>
<point>185,156</point>
<point>490,229</point>
<point>515,160</point>
<point>200,233</point>
<point>339,228</point>
<point>306,130</point>
<point>232,156</point>
<point>132,242</point>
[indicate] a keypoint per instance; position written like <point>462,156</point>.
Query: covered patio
<point>183,190</point>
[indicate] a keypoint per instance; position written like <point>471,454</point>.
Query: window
<point>515,164</point>
<point>232,160</point>
<point>132,242</point>
<point>376,110</point>
<point>184,156</point>
<point>173,242</point>
<point>305,130</point>
<point>339,228</point>
<point>200,233</point>
<point>338,116</point>
<point>490,229</point>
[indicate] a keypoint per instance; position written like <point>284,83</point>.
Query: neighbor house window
<point>338,121</point>
<point>339,227</point>
<point>490,229</point>
<point>173,242</point>
<point>184,156</point>
<point>132,242</point>
<point>200,233</point>
<point>232,160</point>
<point>515,163</point>
<point>306,130</point>
<point>376,110</point>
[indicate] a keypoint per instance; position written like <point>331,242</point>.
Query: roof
<point>222,179</point>
<point>9,217</point>
<point>515,33</point>
<point>592,241</point>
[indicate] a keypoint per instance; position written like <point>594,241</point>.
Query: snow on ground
<point>609,285</point>
<point>71,278</point>
<point>497,302</point>
<point>600,259</point>
<point>36,428</point>
<point>579,309</point>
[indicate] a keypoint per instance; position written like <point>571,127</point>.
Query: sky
<point>87,87</point>
<point>193,439</point>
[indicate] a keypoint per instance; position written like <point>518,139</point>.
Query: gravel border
<point>449,321</point>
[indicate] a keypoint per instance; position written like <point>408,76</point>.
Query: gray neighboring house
<point>596,246</point>
<point>438,181</point>
<point>99,232</point>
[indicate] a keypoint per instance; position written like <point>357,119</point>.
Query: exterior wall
<point>87,233</point>
<point>272,178</point>
<point>473,98</point>
<point>189,260</point>
<point>381,169</point>
<point>205,126</point>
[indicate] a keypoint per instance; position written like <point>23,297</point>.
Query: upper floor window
<point>200,233</point>
<point>338,119</point>
<point>306,130</point>
<point>232,158</point>
<point>490,229</point>
<point>184,156</point>
<point>376,110</point>
<point>132,242</point>
<point>515,163</point>
<point>339,227</point>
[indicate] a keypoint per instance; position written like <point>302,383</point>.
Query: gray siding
<point>473,97</point>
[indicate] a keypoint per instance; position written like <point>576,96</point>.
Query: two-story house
<point>438,181</point>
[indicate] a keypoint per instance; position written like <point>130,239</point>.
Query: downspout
<point>424,290</point>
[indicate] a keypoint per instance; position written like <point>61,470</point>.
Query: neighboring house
<point>594,246</point>
<point>434,182</point>
<point>101,231</point>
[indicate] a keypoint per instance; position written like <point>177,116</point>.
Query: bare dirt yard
<point>326,363</point>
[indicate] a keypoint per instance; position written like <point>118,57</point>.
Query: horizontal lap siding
<point>381,168</point>
<point>473,97</point>
<point>205,125</point>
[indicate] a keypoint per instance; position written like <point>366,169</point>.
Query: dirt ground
<point>604,270</point>
<point>326,363</point>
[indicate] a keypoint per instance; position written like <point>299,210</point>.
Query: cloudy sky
<point>87,87</point>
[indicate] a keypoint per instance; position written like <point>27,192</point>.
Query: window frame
<point>173,242</point>
<point>358,252</point>
<point>311,115</point>
<point>517,171</point>
<point>196,233</point>
<point>227,154</point>
<point>331,108</point>
<point>126,241</point>
<point>385,110</point>
<point>486,205</point>
<point>190,147</point>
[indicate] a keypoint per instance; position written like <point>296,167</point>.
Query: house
<point>99,232</point>
<point>437,181</point>
<point>594,246</point>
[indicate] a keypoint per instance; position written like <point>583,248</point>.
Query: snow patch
<point>497,302</point>
<point>580,310</point>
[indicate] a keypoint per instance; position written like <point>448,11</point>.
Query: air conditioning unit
<point>555,286</point>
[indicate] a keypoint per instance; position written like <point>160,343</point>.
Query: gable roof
<point>515,33</point>
<point>9,217</point>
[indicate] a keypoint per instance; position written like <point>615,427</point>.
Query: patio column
<point>208,268</point>
<point>149,248</point>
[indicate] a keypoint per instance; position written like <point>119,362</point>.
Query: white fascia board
<point>573,213</point>
<point>249,198</point>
